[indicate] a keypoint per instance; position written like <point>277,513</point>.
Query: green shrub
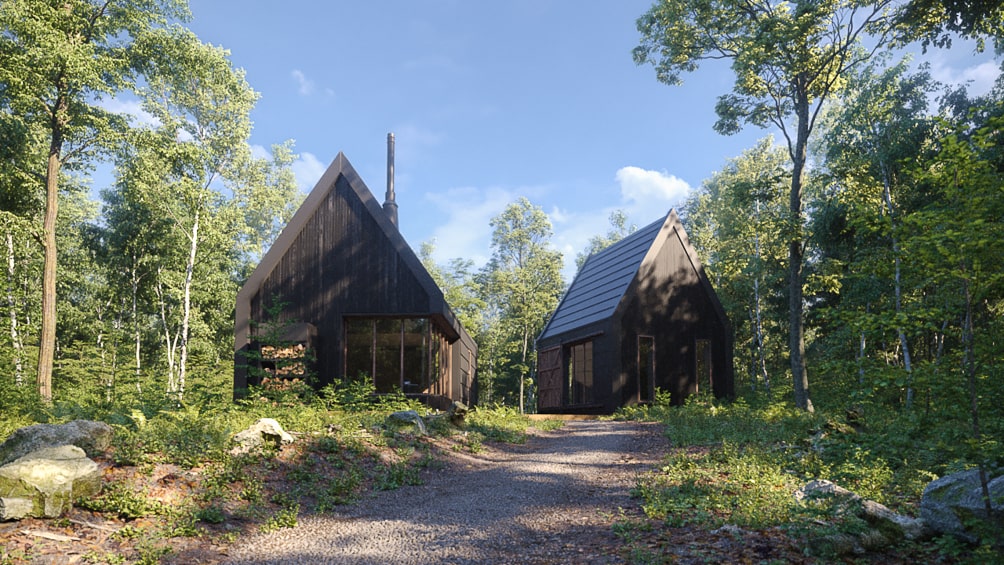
<point>127,503</point>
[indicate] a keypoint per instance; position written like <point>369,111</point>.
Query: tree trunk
<point>169,343</point>
<point>134,288</point>
<point>15,337</point>
<point>47,340</point>
<point>796,341</point>
<point>762,358</point>
<point>969,365</point>
<point>522,374</point>
<point>187,306</point>
<point>898,288</point>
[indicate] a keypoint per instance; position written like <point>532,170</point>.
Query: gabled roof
<point>600,286</point>
<point>340,168</point>
<point>601,283</point>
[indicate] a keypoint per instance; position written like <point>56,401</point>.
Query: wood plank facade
<point>640,315</point>
<point>342,268</point>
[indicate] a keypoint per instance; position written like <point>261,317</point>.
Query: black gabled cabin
<point>639,315</point>
<point>354,293</point>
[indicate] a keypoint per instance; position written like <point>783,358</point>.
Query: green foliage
<point>211,514</point>
<point>501,423</point>
<point>124,501</point>
<point>396,475</point>
<point>744,486</point>
<point>522,283</point>
<point>284,518</point>
<point>619,229</point>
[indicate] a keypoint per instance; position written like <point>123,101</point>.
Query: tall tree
<point>59,59</point>
<point>189,165</point>
<point>788,59</point>
<point>619,229</point>
<point>874,132</point>
<point>523,278</point>
<point>935,22</point>
<point>460,288</point>
<point>737,217</point>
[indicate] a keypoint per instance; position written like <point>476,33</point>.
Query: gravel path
<point>551,500</point>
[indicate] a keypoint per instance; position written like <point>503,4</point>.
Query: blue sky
<point>488,101</point>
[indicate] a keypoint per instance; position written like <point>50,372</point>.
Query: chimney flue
<point>390,205</point>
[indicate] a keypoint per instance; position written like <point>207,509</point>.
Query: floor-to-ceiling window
<point>395,353</point>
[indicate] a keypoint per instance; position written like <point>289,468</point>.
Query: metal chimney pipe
<point>390,205</point>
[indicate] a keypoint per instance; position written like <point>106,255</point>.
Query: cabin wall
<point>603,365</point>
<point>670,303</point>
<point>341,263</point>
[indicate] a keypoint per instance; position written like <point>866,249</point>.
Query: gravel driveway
<point>551,500</point>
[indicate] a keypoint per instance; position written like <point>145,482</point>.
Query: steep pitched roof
<point>599,288</point>
<point>601,283</point>
<point>340,168</point>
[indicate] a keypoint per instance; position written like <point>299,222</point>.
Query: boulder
<point>885,526</point>
<point>266,432</point>
<point>48,479</point>
<point>457,413</point>
<point>15,508</point>
<point>405,418</point>
<point>92,437</point>
<point>954,505</point>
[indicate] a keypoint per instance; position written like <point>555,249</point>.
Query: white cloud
<point>259,152</point>
<point>466,232</point>
<point>133,109</point>
<point>305,86</point>
<point>308,170</point>
<point>979,78</point>
<point>650,188</point>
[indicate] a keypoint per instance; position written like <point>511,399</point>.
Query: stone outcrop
<point>45,482</point>
<point>92,437</point>
<point>954,505</point>
<point>457,413</point>
<point>407,418</point>
<point>265,433</point>
<point>885,526</point>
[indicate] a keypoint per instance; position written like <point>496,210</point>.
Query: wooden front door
<point>549,381</point>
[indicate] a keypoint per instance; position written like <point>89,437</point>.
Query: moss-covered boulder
<point>92,437</point>
<point>51,479</point>
<point>954,505</point>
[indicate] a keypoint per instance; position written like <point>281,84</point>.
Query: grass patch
<point>740,463</point>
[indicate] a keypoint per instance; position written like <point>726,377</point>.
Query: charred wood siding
<point>340,263</point>
<point>670,304</point>
<point>649,284</point>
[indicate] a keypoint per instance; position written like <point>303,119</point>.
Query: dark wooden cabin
<point>354,293</point>
<point>639,315</point>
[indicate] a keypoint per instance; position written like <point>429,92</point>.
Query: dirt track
<point>552,500</point>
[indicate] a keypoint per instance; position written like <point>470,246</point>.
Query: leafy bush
<point>123,501</point>
<point>499,423</point>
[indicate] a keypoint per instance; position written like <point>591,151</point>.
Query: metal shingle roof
<point>602,282</point>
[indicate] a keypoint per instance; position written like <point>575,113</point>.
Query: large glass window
<point>395,353</point>
<point>580,373</point>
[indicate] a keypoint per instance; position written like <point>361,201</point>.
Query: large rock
<point>407,418</point>
<point>266,432</point>
<point>885,526</point>
<point>954,505</point>
<point>92,437</point>
<point>50,479</point>
<point>458,413</point>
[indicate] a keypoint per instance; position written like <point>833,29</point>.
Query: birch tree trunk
<point>907,365</point>
<point>15,337</point>
<point>187,305</point>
